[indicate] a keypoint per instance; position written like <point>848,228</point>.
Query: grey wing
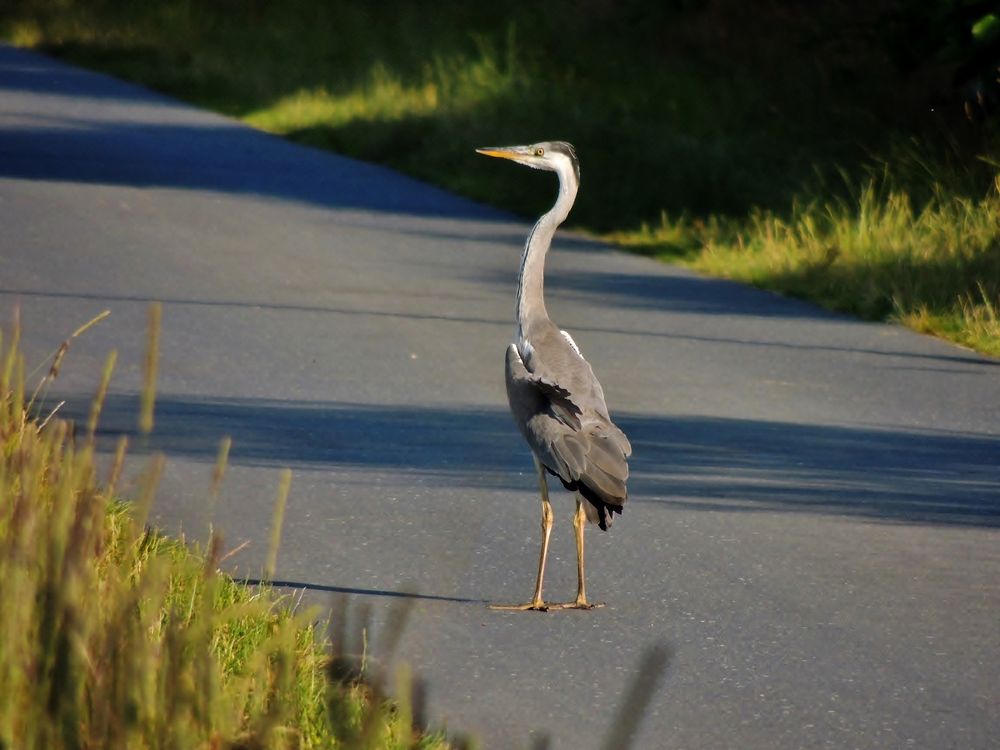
<point>532,393</point>
<point>555,359</point>
<point>582,447</point>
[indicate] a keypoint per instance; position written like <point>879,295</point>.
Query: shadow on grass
<point>701,463</point>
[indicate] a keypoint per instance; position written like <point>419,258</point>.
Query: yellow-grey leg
<point>537,603</point>
<point>579,524</point>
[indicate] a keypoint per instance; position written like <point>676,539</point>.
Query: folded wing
<point>571,433</point>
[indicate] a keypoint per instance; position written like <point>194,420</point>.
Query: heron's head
<point>555,156</point>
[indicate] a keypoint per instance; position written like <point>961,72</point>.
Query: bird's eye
<point>539,151</point>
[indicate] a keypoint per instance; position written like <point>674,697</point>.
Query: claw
<point>577,605</point>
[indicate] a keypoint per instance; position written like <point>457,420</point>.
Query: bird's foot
<point>540,606</point>
<point>535,606</point>
<point>578,604</point>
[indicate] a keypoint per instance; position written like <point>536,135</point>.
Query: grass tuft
<point>115,636</point>
<point>935,268</point>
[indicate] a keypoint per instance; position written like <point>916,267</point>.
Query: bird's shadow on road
<point>355,591</point>
<point>700,463</point>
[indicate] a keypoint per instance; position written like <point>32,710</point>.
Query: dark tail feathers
<point>605,509</point>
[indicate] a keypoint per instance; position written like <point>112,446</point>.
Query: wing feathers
<point>579,445</point>
<point>609,456</point>
<point>591,463</point>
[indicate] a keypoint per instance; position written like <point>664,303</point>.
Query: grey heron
<point>557,402</point>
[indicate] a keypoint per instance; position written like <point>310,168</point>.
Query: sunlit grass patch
<point>385,98</point>
<point>934,267</point>
<point>975,323</point>
<point>454,83</point>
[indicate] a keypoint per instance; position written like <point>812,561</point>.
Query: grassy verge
<point>734,121</point>
<point>934,268</point>
<point>114,636</point>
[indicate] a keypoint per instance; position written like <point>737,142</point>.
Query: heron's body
<point>566,422</point>
<point>555,398</point>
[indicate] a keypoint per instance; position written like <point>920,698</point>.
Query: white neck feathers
<point>530,305</point>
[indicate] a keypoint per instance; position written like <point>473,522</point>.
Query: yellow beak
<point>499,152</point>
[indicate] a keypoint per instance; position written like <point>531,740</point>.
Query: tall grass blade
<point>147,493</point>
<point>117,466</point>
<point>403,695</point>
<point>102,391</point>
<point>58,356</point>
<point>150,368</point>
<point>276,523</point>
<point>221,462</point>
<point>90,323</point>
<point>218,474</point>
<point>11,356</point>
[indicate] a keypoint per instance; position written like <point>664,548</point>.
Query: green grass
<point>878,257</point>
<point>761,120</point>
<point>115,636</point>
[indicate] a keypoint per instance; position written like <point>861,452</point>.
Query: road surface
<point>814,527</point>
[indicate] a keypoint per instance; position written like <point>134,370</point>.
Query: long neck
<point>530,304</point>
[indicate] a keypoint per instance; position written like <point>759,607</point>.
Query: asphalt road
<point>814,527</point>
